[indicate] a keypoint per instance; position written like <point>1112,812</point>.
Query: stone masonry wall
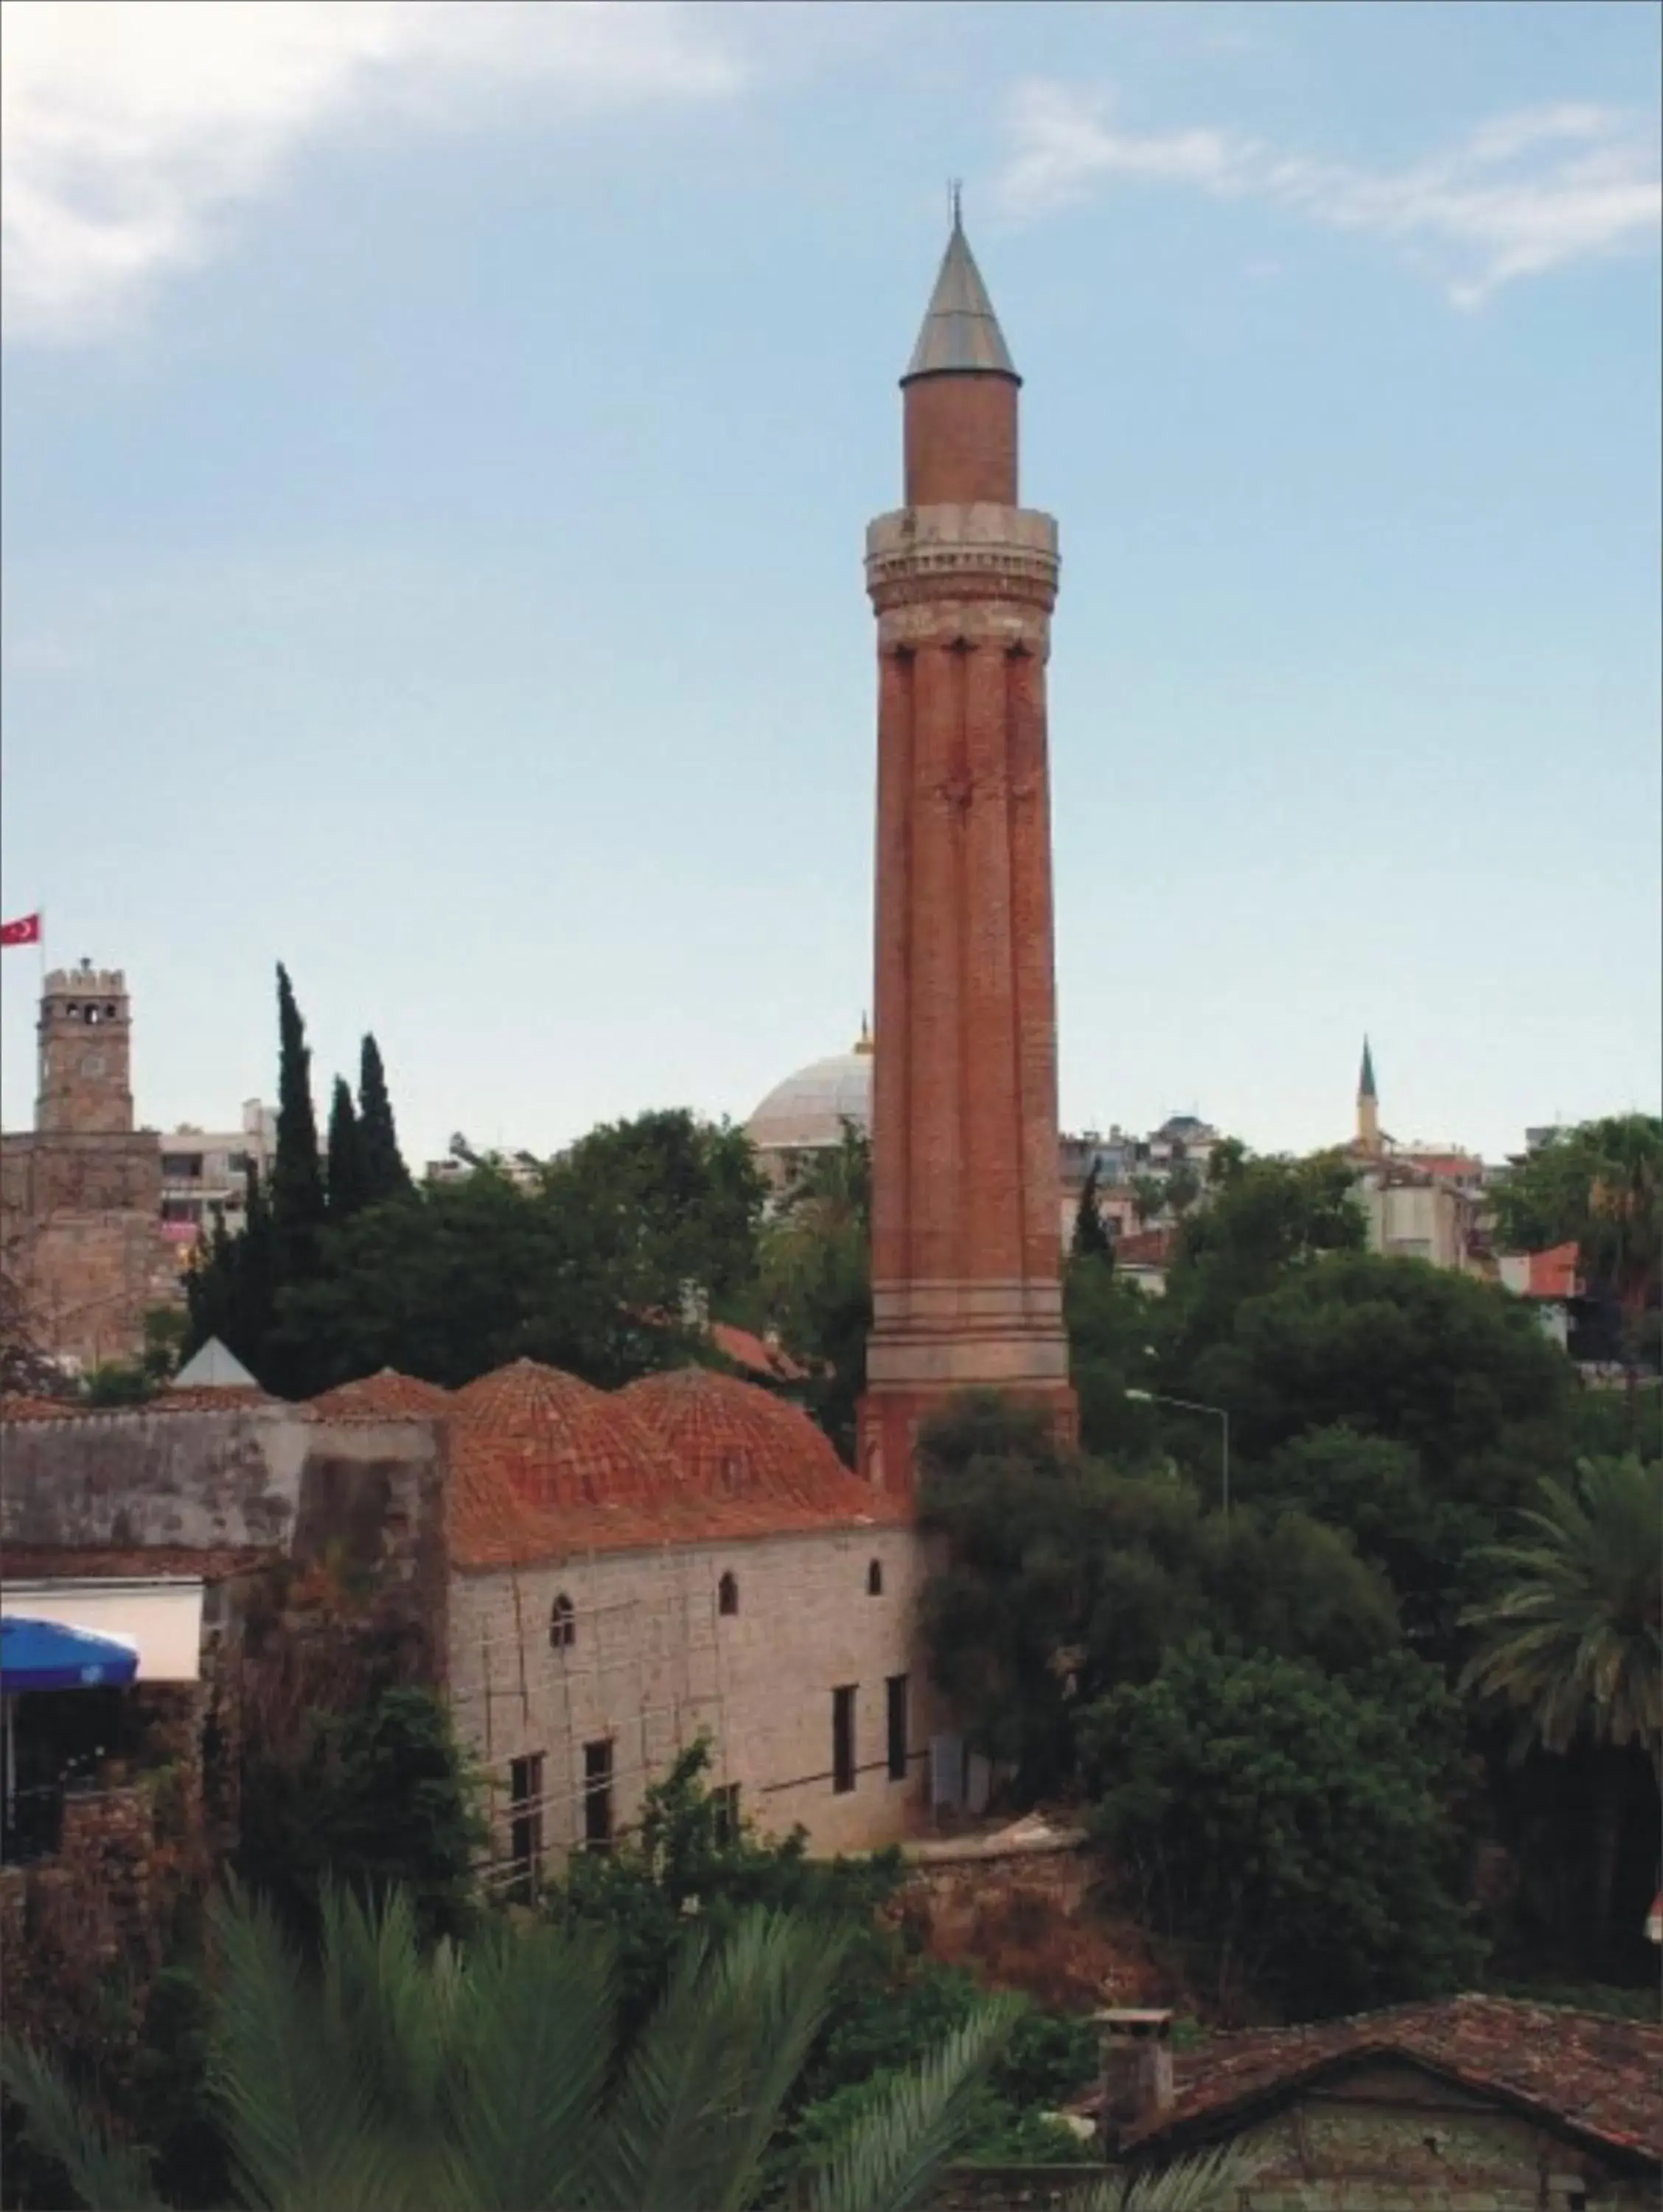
<point>93,1918</point>
<point>368,1494</point>
<point>1392,2138</point>
<point>81,1229</point>
<point>653,1661</point>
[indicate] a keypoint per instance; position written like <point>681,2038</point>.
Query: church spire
<point>960,336</point>
<point>1366,1080</point>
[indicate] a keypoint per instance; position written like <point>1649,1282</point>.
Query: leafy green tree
<point>1574,1637</point>
<point>1454,1370</point>
<point>372,1799</point>
<point>385,1174</point>
<point>1091,1239</point>
<point>230,1288</point>
<point>1600,1186</point>
<point>1183,1189</point>
<point>684,1197</point>
<point>349,1182</point>
<point>686,1864</point>
<point>387,2077</point>
<point>587,1271</point>
<point>298,1204</point>
<point>1064,1578</point>
<point>1111,1325</point>
<point>816,1267</point>
<point>1265,1219</point>
<point>1149,1198</point>
<point>1288,1828</point>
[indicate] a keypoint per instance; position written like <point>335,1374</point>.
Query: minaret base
<point>889,1416</point>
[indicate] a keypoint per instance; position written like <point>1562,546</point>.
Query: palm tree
<point>1574,1640</point>
<point>490,2078</point>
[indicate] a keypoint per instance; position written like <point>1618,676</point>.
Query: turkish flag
<point>25,930</point>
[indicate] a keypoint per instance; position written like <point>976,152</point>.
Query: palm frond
<point>704,2085</point>
<point>289,2082</point>
<point>535,2024</point>
<point>896,2148</point>
<point>1205,2183</point>
<point>107,2176</point>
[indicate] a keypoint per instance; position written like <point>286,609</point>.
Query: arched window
<point>875,1578</point>
<point>563,1623</point>
<point>727,1595</point>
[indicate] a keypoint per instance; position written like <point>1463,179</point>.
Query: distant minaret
<point>966,1257</point>
<point>1367,1105</point>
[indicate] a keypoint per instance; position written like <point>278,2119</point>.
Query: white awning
<point>160,1616</point>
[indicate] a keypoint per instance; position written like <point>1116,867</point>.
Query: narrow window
<point>598,1795</point>
<point>727,1595</point>
<point>843,1739</point>
<point>525,1821</point>
<point>875,1579</point>
<point>897,1688</point>
<point>563,1623</point>
<point>725,1807</point>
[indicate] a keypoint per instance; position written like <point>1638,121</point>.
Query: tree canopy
<point>1291,1827</point>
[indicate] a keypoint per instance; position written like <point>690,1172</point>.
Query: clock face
<point>92,1063</point>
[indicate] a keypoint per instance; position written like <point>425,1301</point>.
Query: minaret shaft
<point>966,1229</point>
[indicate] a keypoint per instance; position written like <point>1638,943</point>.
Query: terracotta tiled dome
<point>558,1442</point>
<point>731,1439</point>
<point>387,1396</point>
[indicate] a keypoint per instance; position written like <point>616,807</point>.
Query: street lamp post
<point>1189,1406</point>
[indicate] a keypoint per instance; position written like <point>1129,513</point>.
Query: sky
<point>438,443</point>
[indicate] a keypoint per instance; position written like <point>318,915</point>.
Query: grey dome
<point>807,1111</point>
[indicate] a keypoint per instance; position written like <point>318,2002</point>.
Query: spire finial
<point>955,199</point>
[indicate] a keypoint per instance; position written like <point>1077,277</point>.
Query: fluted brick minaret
<point>965,1226</point>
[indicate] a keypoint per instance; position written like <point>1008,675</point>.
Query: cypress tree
<point>297,1177</point>
<point>346,1156</point>
<point>1091,1239</point>
<point>385,1175</point>
<point>254,1287</point>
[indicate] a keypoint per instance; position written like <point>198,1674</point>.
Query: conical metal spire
<point>961,334</point>
<point>1366,1080</point>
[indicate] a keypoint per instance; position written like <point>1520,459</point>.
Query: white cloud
<point>130,129</point>
<point>1518,196</point>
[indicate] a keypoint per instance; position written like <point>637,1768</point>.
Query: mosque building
<point>594,1579</point>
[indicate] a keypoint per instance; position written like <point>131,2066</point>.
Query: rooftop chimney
<point>1135,2071</point>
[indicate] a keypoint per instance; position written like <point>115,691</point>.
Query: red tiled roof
<point>15,1407</point>
<point>197,1398</point>
<point>387,1395</point>
<point>1597,2078</point>
<point>755,1353</point>
<point>1554,1274</point>
<point>1445,1165</point>
<point>1145,1247</point>
<point>543,1467</point>
<point>729,1440</point>
<point>559,1442</point>
<point>207,1398</point>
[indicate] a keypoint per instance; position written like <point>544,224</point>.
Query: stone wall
<point>80,1224</point>
<point>1393,2138</point>
<point>653,1661</point>
<point>366,1497</point>
<point>91,1923</point>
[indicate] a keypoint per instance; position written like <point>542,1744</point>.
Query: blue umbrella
<point>38,1654</point>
